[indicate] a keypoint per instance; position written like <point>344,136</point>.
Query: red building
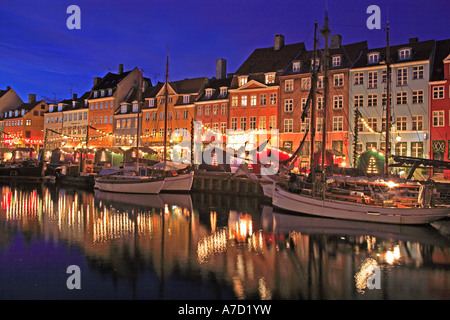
<point>439,97</point>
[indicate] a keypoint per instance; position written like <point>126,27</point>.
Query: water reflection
<point>204,246</point>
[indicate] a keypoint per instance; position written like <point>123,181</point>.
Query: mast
<point>138,121</point>
<point>313,113</point>
<point>388,103</point>
<point>165,107</point>
<point>325,32</point>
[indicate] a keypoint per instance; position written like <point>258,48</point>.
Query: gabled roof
<point>420,51</point>
<point>265,60</point>
<point>26,106</point>
<point>442,51</point>
<point>110,80</point>
<point>215,84</point>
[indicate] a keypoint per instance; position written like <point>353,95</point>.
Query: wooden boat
<point>129,184</point>
<point>175,177</point>
<point>352,210</point>
<point>23,169</point>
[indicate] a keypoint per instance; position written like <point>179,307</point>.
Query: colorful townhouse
<point>181,98</point>
<point>9,99</point>
<point>255,93</point>
<point>409,99</point>
<point>296,83</point>
<point>65,123</point>
<point>439,100</point>
<point>23,125</point>
<point>104,101</point>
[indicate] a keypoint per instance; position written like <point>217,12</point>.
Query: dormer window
<point>95,94</point>
<point>16,113</point>
<point>186,99</point>
<point>223,91</point>
<point>50,109</point>
<point>109,92</point>
<point>23,112</point>
<point>10,113</point>
<point>336,61</point>
<point>123,109</point>
<point>242,80</point>
<point>135,107</point>
<point>102,93</point>
<point>317,64</point>
<point>208,93</point>
<point>270,78</point>
<point>74,103</point>
<point>373,57</point>
<point>296,66</point>
<point>151,102</point>
<point>60,106</point>
<point>404,54</point>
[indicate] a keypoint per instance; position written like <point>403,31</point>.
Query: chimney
<point>74,97</point>
<point>335,41</point>
<point>221,69</point>
<point>97,80</point>
<point>120,68</point>
<point>8,88</point>
<point>413,40</point>
<point>31,98</point>
<point>279,42</point>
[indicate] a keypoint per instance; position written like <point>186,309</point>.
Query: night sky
<point>39,54</point>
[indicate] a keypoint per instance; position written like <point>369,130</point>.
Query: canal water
<point>205,247</point>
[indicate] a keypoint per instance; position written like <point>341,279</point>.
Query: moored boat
<point>129,184</point>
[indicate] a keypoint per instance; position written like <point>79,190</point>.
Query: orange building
<point>181,96</point>
<point>24,124</point>
<point>106,96</point>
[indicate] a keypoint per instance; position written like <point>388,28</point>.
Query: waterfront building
<point>295,89</point>
<point>23,125</point>
<point>410,74</point>
<point>255,93</point>
<point>181,97</point>
<point>104,101</point>
<point>126,121</point>
<point>439,99</point>
<point>9,99</point>
<point>65,123</point>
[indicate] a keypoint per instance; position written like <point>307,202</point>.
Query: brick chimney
<point>31,98</point>
<point>221,69</point>
<point>120,68</point>
<point>279,42</point>
<point>97,80</point>
<point>335,41</point>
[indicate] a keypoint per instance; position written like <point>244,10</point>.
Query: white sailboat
<point>174,181</point>
<point>356,207</point>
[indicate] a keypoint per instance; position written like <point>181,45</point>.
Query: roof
<point>26,106</point>
<point>265,60</point>
<point>419,51</point>
<point>110,80</point>
<point>215,84</point>
<point>189,85</point>
<point>442,51</point>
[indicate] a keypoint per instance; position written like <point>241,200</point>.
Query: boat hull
<point>305,204</point>
<point>180,183</point>
<point>139,185</point>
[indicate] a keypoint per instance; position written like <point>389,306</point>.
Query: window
<point>95,94</point>
<point>243,123</point>
<point>215,109</point>
<point>252,123</point>
<point>169,115</point>
<point>417,123</point>
<point>270,78</point>
<point>305,125</point>
<point>199,110</point>
<point>109,92</point>
<point>373,123</point>
<point>101,105</point>
<point>401,123</point>
<point>253,100</point>
<point>320,82</point>
<point>401,148</point>
<point>417,72</point>
<point>273,99</point>
<point>111,104</point>
<point>338,80</point>
<point>289,85</point>
<point>185,114</point>
<point>438,92</point>
<point>223,127</point>
<point>154,116</point>
<point>373,58</point>
<point>235,101</point>
<point>263,99</point>
<point>336,61</point>
<point>404,54</point>
<point>417,96</point>
<point>288,105</point>
<point>288,125</point>
<point>319,103</point>
<point>338,101</point>
<point>272,122</point>
<point>306,83</point>
<point>207,110</point>
<point>402,76</point>
<point>417,149</point>
<point>262,123</point>
<point>243,101</point>
<point>96,106</point>
<point>358,78</point>
<point>208,94</point>
<point>223,92</point>
<point>118,124</point>
<point>186,98</point>
<point>161,115</point>
<point>337,145</point>
<point>372,79</point>
<point>223,108</point>
<point>372,100</point>
<point>317,64</point>
<point>135,107</point>
<point>319,124</point>
<point>161,132</point>
<point>383,98</point>
<point>242,80</point>
<point>438,118</point>
<point>402,97</point>
<point>92,106</point>
<point>371,145</point>
<point>303,103</point>
<point>147,117</point>
<point>338,123</point>
<point>359,100</point>
<point>296,66</point>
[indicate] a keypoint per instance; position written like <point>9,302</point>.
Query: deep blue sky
<point>38,54</point>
